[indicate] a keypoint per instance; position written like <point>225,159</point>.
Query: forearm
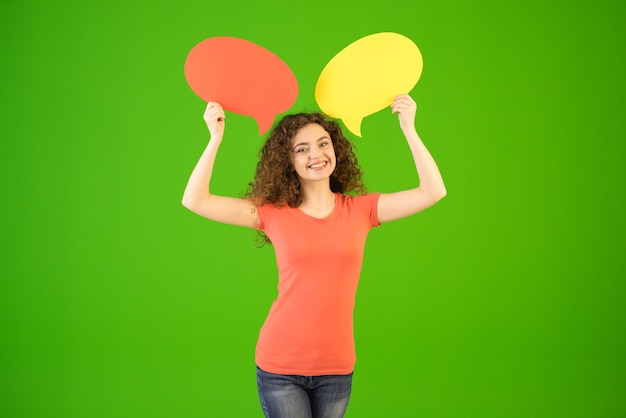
<point>198,185</point>
<point>431,183</point>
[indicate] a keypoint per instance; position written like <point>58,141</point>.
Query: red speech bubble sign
<point>243,77</point>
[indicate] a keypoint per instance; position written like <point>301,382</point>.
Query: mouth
<point>318,165</point>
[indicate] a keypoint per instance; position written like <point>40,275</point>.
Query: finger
<point>214,115</point>
<point>401,106</point>
<point>213,106</point>
<point>403,96</point>
<point>404,99</point>
<point>214,110</point>
<point>402,103</point>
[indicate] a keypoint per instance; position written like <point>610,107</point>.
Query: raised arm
<point>197,196</point>
<point>431,188</point>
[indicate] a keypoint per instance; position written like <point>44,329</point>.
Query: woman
<point>301,201</point>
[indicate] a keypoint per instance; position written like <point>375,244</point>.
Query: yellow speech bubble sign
<point>365,76</point>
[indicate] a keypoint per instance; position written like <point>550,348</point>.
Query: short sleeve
<point>374,210</point>
<point>262,211</point>
<point>369,205</point>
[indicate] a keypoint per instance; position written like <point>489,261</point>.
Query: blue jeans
<point>291,396</point>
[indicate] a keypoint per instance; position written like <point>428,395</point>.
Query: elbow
<point>195,202</point>
<point>189,203</point>
<point>443,192</point>
<point>439,194</point>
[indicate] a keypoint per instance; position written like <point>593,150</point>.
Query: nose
<point>314,152</point>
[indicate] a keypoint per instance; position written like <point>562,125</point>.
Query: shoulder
<point>267,211</point>
<point>366,205</point>
<point>361,200</point>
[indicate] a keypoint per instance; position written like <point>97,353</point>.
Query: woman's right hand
<point>214,117</point>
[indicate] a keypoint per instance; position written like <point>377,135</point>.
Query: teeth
<point>318,165</point>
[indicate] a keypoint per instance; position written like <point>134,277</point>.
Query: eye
<point>323,144</point>
<point>301,150</point>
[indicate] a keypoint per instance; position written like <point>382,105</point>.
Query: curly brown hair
<point>276,180</point>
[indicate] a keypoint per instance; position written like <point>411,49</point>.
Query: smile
<point>321,164</point>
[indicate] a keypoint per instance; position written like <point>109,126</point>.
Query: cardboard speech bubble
<point>243,77</point>
<point>365,76</point>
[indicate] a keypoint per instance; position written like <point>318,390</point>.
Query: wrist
<point>215,141</point>
<point>216,136</point>
<point>408,129</point>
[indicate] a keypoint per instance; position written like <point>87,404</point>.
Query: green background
<point>506,299</point>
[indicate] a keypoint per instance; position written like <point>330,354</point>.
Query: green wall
<point>506,299</point>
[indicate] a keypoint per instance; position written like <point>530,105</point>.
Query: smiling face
<point>312,153</point>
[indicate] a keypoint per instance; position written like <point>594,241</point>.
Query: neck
<point>316,193</point>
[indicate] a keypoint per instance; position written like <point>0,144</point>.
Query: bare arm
<point>398,205</point>
<point>197,196</point>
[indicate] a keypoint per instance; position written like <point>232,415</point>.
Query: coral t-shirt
<point>309,328</point>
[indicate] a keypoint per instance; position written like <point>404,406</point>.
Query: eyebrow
<point>306,143</point>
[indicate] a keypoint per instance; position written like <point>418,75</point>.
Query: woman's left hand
<point>406,108</point>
